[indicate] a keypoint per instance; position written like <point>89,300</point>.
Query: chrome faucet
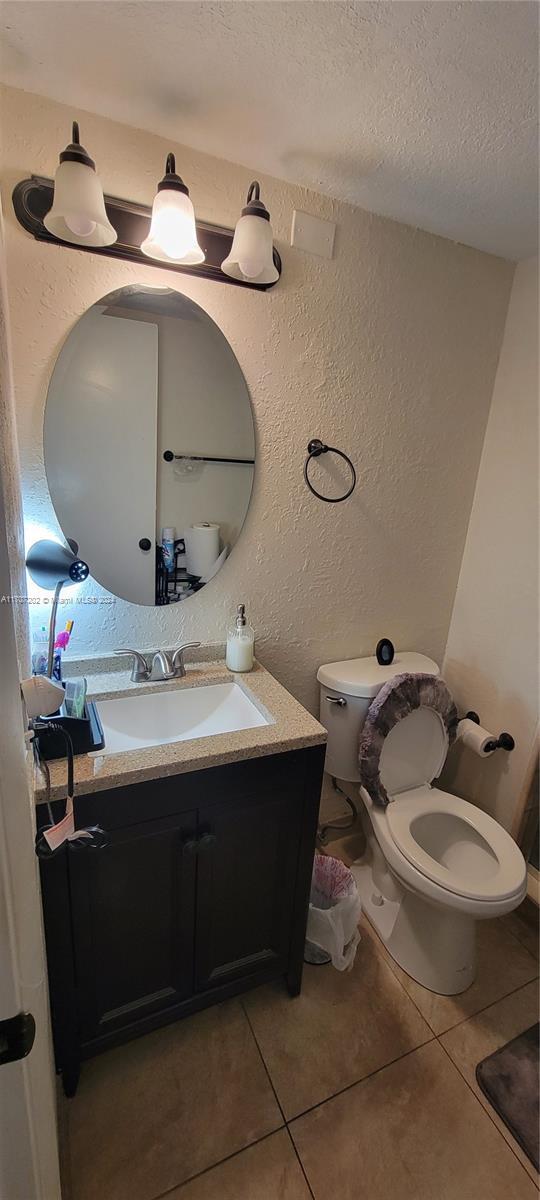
<point>164,665</point>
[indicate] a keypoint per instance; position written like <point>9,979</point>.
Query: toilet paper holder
<point>504,741</point>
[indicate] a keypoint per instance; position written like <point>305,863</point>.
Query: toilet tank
<point>346,691</point>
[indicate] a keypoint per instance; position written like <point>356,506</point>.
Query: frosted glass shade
<point>173,236</point>
<point>250,256</point>
<point>78,209</point>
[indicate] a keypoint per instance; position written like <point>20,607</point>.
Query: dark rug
<point>510,1079</point>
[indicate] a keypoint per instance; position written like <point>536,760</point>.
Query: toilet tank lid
<point>365,676</point>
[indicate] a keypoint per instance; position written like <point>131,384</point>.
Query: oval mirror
<point>149,444</point>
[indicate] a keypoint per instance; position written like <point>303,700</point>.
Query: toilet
<point>434,863</point>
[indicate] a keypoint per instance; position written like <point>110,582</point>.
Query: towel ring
<point>315,449</point>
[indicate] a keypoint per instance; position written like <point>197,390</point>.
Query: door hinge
<point>16,1037</point>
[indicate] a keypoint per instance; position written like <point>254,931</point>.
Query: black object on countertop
<point>86,733</point>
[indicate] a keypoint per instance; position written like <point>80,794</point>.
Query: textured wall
<point>424,112</point>
<point>389,351</point>
<point>491,659</point>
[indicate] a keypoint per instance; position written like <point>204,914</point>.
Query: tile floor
<point>362,1087</point>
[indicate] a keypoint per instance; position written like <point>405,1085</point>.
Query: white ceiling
<point>422,112</point>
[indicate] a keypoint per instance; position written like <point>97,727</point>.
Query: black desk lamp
<point>51,565</point>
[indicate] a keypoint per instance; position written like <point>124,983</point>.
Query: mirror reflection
<point>149,444</point>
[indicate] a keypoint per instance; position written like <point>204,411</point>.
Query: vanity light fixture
<point>251,255</point>
<point>141,235</point>
<point>173,236</point>
<point>78,210</point>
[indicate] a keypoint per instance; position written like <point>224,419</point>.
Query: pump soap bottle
<point>240,641</point>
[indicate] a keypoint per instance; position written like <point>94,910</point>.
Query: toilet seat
<point>455,844</point>
<point>406,734</point>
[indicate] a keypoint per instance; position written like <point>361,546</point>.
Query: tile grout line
<point>276,1097</point>
<point>256,1142</point>
<point>485,1110</point>
<point>356,1082</point>
<point>286,1123</point>
<point>321,1103</point>
<point>300,1163</point>
<point>518,939</point>
<point>478,1012</point>
<point>261,1056</point>
<point>524,946</point>
<point>213,1166</point>
<point>469,1017</point>
<point>437,1037</point>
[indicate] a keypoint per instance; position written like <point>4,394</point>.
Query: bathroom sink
<point>133,722</point>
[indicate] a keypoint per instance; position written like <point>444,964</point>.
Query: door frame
<point>29,1168</point>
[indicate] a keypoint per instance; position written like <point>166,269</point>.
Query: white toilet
<point>434,863</point>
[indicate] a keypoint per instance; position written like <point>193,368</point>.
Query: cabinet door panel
<point>133,912</point>
<point>245,885</point>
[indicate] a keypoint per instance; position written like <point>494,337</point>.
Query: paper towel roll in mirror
<point>202,548</point>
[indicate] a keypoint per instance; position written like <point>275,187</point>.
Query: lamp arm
<point>52,628</point>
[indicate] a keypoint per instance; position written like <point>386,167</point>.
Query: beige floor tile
<point>474,1039</point>
<point>413,1131</point>
<point>347,848</point>
<point>154,1112</point>
<point>503,966</point>
<point>342,1026</point>
<point>63,1140</point>
<point>524,931</point>
<point>268,1171</point>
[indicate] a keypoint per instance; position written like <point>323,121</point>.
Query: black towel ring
<point>316,448</point>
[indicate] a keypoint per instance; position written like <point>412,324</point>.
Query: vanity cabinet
<point>201,891</point>
<point>132,910</point>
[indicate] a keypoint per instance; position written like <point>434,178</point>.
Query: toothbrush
<point>62,639</point>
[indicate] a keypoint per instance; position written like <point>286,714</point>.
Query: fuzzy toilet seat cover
<point>396,699</point>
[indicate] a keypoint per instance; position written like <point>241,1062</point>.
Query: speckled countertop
<point>291,727</point>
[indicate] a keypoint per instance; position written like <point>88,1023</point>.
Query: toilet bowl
<point>434,863</point>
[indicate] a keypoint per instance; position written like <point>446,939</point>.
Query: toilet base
<point>434,945</point>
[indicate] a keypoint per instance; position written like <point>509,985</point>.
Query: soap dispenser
<point>240,642</point>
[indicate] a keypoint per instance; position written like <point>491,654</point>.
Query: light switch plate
<point>312,234</point>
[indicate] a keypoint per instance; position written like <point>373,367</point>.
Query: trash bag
<point>334,912</point>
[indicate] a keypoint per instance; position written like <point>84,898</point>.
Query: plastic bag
<point>334,911</point>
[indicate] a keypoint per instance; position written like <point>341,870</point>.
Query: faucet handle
<point>139,670</point>
<point>178,657</point>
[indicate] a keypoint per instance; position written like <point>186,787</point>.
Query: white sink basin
<point>132,722</point>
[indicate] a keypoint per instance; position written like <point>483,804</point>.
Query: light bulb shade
<point>173,235</point>
<point>251,255</point>
<point>78,210</point>
<point>49,563</point>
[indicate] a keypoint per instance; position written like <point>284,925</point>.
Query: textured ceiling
<point>421,112</point>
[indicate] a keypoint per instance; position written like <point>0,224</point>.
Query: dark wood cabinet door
<point>133,909</point>
<point>247,867</point>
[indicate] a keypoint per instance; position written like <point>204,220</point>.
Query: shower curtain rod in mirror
<point>170,457</point>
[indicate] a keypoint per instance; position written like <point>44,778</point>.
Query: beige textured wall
<point>389,351</point>
<point>491,660</point>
